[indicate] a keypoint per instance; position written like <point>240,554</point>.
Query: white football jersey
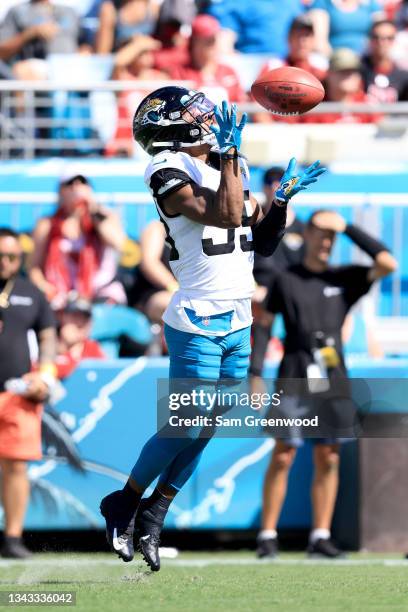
<point>213,266</point>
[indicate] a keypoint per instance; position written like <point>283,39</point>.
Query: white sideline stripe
<point>72,563</point>
<point>347,562</point>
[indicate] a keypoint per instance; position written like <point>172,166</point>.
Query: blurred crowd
<point>357,48</point>
<point>98,282</point>
<point>107,291</point>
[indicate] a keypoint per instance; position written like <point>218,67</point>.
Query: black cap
<point>302,22</point>
<point>79,304</point>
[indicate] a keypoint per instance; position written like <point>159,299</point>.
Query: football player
<point>200,185</point>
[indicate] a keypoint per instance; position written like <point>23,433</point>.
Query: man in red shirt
<point>202,65</point>
<point>301,44</point>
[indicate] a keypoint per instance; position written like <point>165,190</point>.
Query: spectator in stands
<point>203,66</point>
<point>121,20</point>
<point>22,307</point>
<point>155,282</point>
<point>314,298</point>
<point>400,47</point>
<point>76,249</point>
<point>383,81</point>
<point>174,50</point>
<point>255,27</point>
<point>74,344</point>
<point>343,23</point>
<point>173,29</point>
<point>301,55</point>
<point>344,85</point>
<point>174,16</point>
<point>133,62</point>
<point>33,30</point>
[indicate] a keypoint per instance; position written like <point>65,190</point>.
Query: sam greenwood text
<point>248,421</point>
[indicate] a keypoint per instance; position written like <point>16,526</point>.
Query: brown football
<point>288,91</point>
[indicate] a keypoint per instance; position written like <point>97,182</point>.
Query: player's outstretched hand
<point>292,182</point>
<point>227,132</point>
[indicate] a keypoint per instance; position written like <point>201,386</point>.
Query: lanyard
<point>4,299</point>
<point>5,294</point>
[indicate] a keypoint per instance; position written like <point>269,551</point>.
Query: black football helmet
<point>173,117</point>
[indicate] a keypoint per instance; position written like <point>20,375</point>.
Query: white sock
<point>267,534</point>
<point>319,534</point>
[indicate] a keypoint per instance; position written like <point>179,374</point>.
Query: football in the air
<point>288,91</point>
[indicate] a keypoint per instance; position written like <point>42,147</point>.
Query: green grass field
<point>199,582</point>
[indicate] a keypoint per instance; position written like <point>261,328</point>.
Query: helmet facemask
<point>198,112</point>
<point>195,111</point>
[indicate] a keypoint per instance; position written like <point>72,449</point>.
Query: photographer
<point>314,299</point>
<point>78,247</point>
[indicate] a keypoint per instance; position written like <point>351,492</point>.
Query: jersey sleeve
<point>166,181</point>
<point>168,172</point>
<point>356,283</point>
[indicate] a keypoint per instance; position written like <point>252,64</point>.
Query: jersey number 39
<point>209,248</point>
<point>223,248</point>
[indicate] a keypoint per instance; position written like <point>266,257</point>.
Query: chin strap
<point>207,138</point>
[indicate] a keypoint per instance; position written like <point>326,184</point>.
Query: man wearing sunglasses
<point>22,308</point>
<point>383,80</point>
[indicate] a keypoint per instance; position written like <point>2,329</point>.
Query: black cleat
<point>324,549</point>
<point>147,535</point>
<point>149,547</point>
<point>120,521</point>
<point>267,548</point>
<point>13,548</point>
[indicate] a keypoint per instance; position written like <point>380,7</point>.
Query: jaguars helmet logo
<point>150,112</point>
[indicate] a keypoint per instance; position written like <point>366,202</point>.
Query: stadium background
<point>367,182</point>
